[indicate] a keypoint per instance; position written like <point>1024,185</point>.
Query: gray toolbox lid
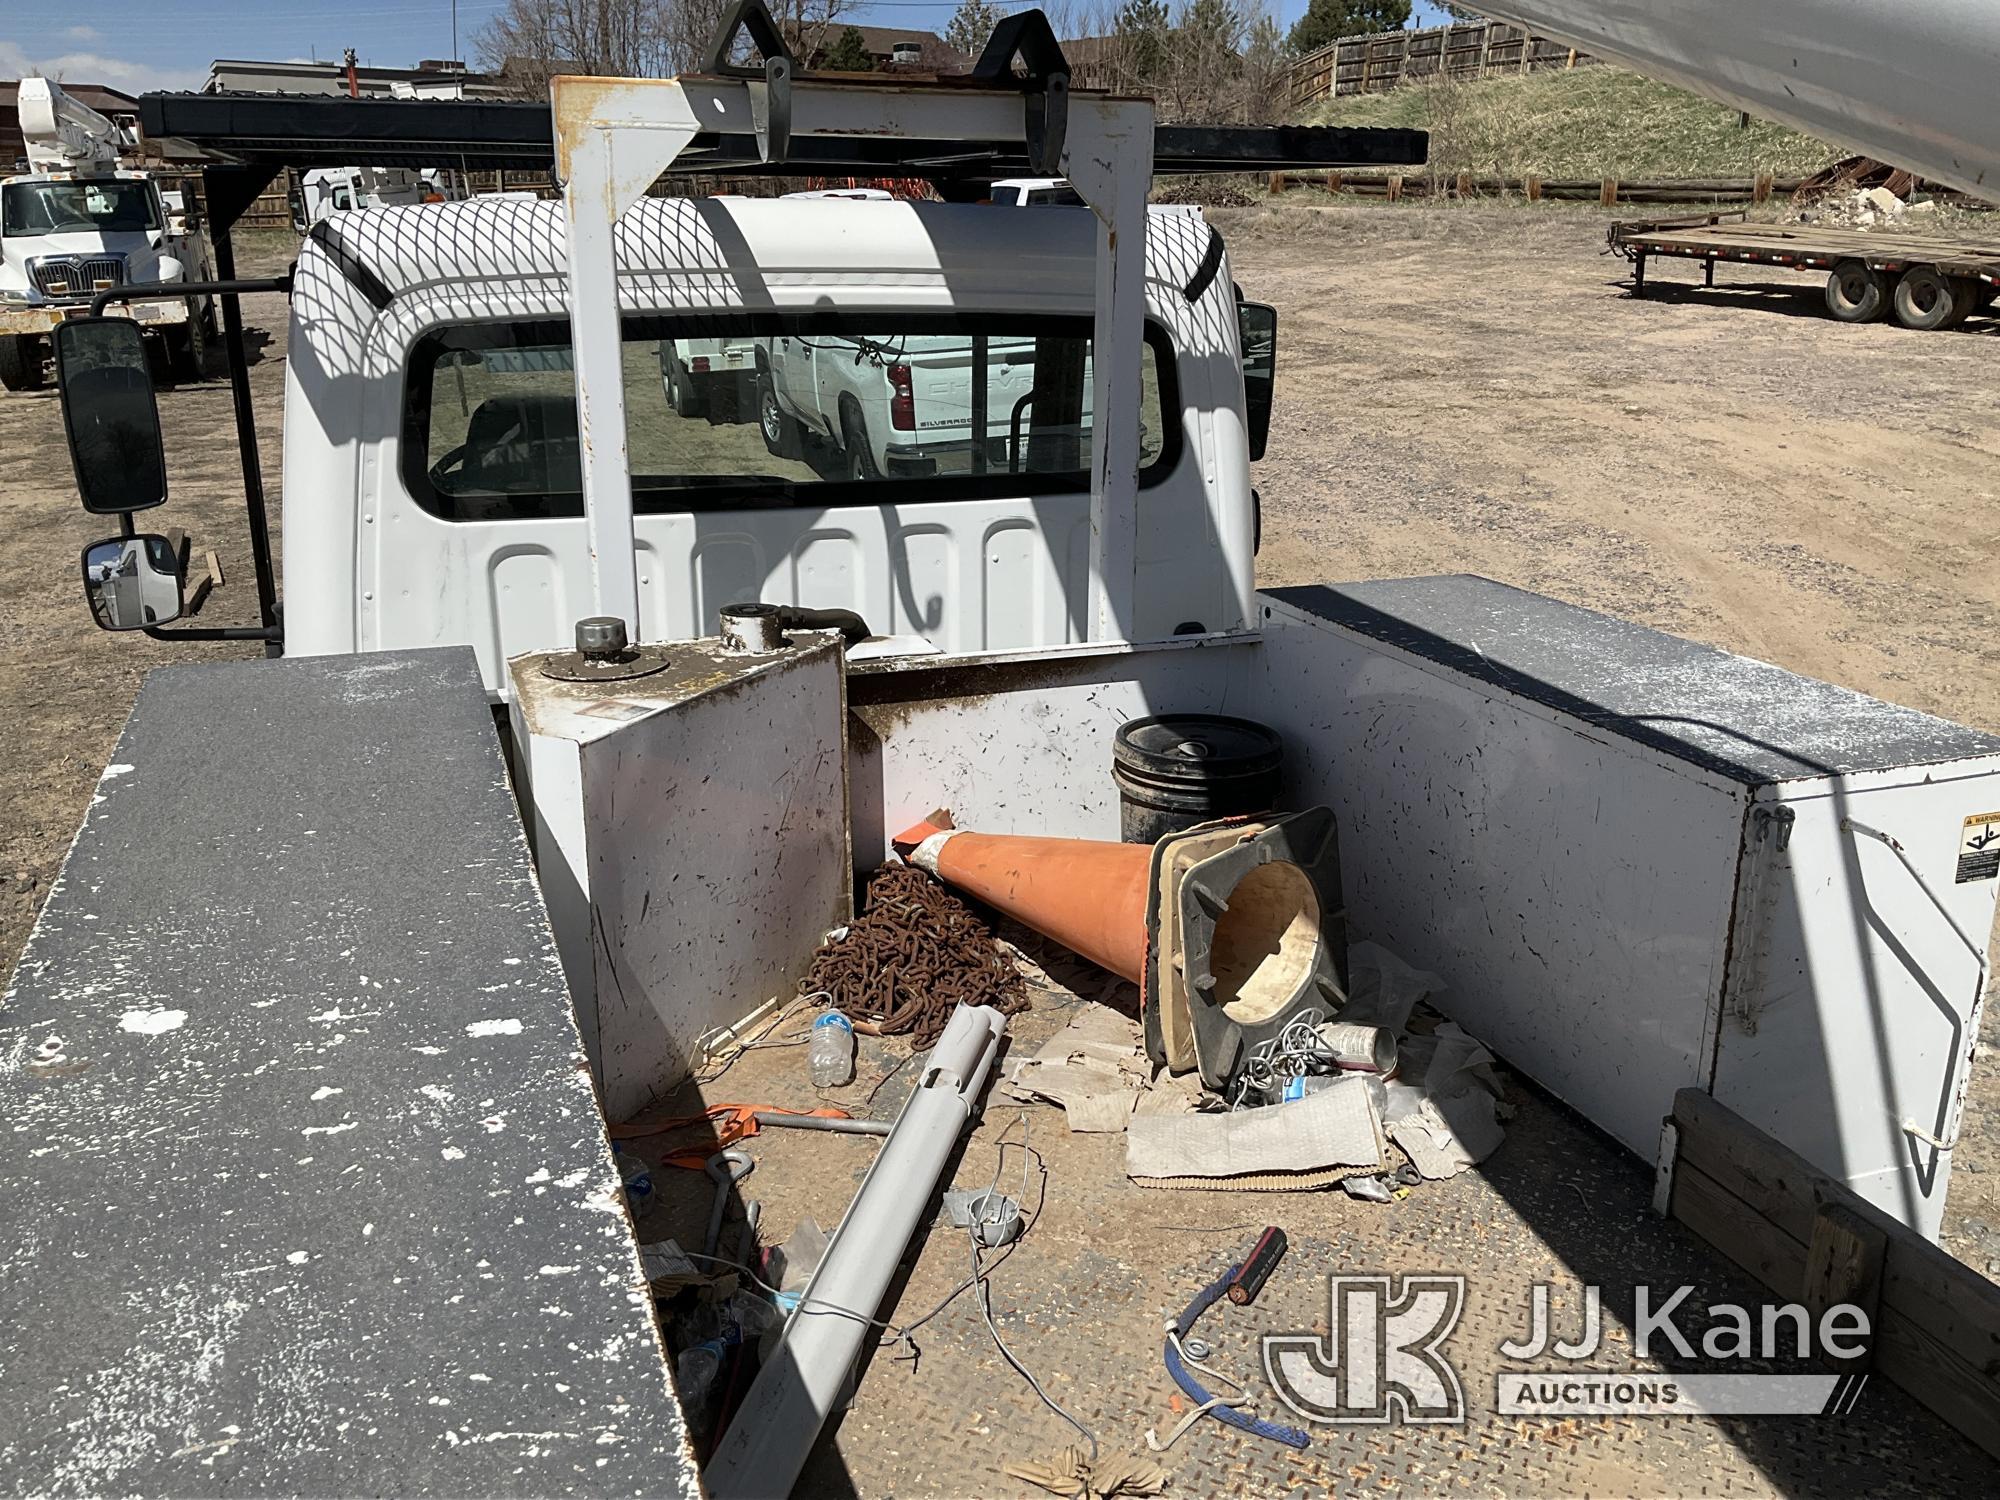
<point>305,1179</point>
<point>1746,719</point>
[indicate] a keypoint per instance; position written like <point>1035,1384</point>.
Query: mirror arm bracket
<point>142,291</point>
<point>218,633</point>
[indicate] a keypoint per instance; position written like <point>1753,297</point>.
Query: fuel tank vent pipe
<point>754,629</point>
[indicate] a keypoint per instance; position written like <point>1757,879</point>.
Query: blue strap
<point>1205,1299</point>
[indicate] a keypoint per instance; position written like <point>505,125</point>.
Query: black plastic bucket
<point>1176,770</point>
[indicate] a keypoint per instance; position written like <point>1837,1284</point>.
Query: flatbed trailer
<point>1926,281</point>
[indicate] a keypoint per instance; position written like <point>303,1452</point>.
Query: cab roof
<point>755,244</point>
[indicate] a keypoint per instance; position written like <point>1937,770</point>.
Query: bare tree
<point>1207,61</point>
<point>535,39</point>
<point>1444,110</point>
<point>809,25</point>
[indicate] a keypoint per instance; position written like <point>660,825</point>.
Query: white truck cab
<point>326,191</point>
<point>77,224</point>
<point>1035,192</point>
<point>432,476</point>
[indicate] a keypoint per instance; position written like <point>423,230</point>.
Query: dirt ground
<point>1462,388</point>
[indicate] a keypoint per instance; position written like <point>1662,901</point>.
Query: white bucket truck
<point>76,224</point>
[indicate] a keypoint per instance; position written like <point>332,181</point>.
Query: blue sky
<point>153,44</point>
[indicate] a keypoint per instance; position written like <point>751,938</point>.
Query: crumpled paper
<point>1096,1069</point>
<point>1382,990</point>
<point>1444,1104</point>
<point>1072,1473</point>
<point>668,1268</point>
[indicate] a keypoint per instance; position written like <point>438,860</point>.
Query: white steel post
<point>1108,157</point>
<point>614,137</point>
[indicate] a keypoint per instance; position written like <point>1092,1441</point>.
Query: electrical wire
<point>833,1309</point>
<point>1297,1052</point>
<point>1000,1256</point>
<point>980,1275</point>
<point>1240,1401</point>
<point>757,1043</point>
<point>900,1332</point>
<point>982,1272</point>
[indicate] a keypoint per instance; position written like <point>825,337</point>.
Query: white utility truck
<point>75,224</point>
<point>1035,192</point>
<point>325,191</point>
<point>716,374</point>
<point>352,1060</point>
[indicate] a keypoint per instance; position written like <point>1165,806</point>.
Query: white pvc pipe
<point>1909,82</point>
<point>766,1445</point>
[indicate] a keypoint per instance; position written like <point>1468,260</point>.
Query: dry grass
<point>1595,121</point>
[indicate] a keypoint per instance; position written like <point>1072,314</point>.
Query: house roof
<point>884,38</point>
<point>246,75</point>
<point>875,40</point>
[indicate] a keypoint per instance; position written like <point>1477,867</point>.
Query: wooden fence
<point>272,208</point>
<point>1605,190</point>
<point>1372,64</point>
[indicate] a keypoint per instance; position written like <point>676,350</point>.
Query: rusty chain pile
<point>915,953</point>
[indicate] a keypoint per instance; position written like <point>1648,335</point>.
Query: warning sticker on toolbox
<point>1979,848</point>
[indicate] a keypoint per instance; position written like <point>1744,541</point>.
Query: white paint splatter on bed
<point>151,1022</point>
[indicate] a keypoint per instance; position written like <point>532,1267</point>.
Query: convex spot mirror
<point>1258,324</point>
<point>132,581</point>
<point>110,415</point>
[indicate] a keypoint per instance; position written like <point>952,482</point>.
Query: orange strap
<point>733,1123</point>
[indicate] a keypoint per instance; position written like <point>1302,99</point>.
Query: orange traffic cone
<point>1087,894</point>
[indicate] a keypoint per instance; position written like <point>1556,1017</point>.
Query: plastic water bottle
<point>830,1057</point>
<point>696,1369</point>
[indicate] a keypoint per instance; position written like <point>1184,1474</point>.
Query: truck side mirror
<point>132,582</point>
<point>110,415</point>
<point>1258,324</point>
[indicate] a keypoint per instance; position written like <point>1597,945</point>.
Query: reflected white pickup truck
<point>912,405</point>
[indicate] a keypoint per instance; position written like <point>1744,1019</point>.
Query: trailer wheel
<point>1971,298</point>
<point>21,362</point>
<point>683,395</point>
<point>1926,298</point>
<point>1855,293</point>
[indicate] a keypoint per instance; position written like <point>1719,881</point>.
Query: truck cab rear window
<point>772,410</point>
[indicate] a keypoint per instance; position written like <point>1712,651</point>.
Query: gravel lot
<point>1463,388</point>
